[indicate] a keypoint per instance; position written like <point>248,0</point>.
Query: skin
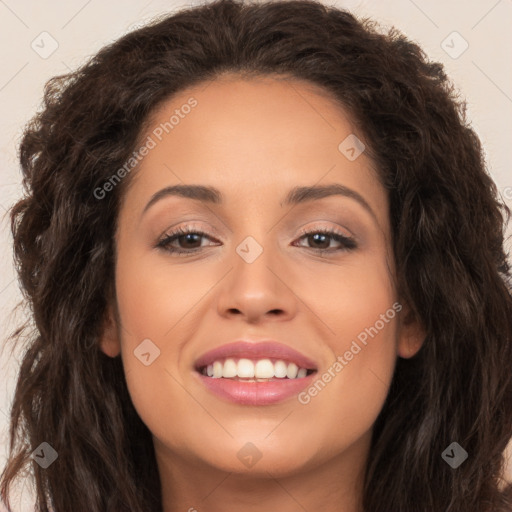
<point>254,139</point>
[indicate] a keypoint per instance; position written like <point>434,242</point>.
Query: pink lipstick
<point>253,373</point>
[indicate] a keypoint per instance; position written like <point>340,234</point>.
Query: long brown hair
<point>447,226</point>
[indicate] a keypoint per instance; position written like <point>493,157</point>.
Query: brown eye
<point>183,241</point>
<point>321,240</point>
<point>188,241</point>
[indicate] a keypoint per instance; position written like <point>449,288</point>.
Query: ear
<point>109,342</point>
<point>411,334</point>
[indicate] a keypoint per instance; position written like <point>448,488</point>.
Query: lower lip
<point>256,393</point>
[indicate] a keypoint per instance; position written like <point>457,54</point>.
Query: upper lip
<point>255,350</point>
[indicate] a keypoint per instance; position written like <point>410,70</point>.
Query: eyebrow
<point>296,195</point>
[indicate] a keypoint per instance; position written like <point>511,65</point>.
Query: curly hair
<point>447,222</point>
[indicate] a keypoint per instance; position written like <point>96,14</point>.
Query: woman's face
<point>254,275</point>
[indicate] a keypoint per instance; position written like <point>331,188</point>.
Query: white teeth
<point>217,369</point>
<point>292,370</point>
<point>302,373</point>
<point>263,369</point>
<point>230,369</point>
<point>280,369</point>
<point>245,368</point>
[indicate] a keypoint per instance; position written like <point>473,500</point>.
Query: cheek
<point>360,308</point>
<point>158,305</point>
<point>349,300</point>
<point>154,298</point>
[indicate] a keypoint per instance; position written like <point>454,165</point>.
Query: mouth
<point>254,370</point>
<point>255,373</point>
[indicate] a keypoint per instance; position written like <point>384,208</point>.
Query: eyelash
<point>347,243</point>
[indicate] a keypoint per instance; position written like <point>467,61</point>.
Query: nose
<point>258,291</point>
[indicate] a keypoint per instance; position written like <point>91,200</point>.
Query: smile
<point>260,370</point>
<point>255,373</point>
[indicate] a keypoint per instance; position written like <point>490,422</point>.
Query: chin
<point>263,458</point>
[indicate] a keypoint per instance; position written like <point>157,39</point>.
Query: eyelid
<point>336,227</point>
<point>189,225</point>
<point>304,229</point>
<point>348,242</point>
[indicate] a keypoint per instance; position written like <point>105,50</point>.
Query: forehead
<point>261,136</point>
